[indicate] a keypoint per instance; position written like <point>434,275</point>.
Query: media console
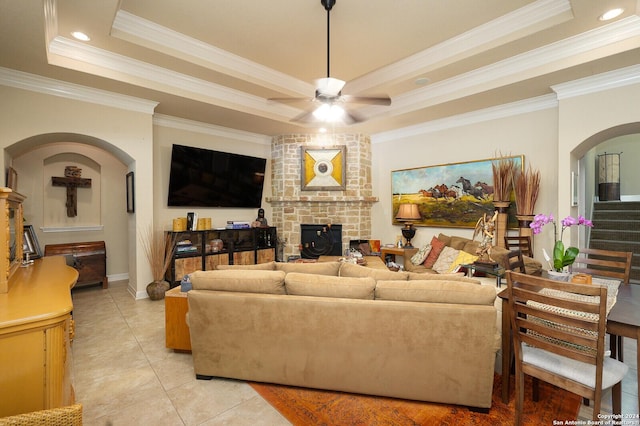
<point>203,250</point>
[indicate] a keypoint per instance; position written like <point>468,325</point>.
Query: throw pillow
<point>445,260</point>
<point>421,255</point>
<point>462,259</point>
<point>458,243</point>
<point>436,249</point>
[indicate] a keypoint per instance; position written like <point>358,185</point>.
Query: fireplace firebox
<point>320,240</point>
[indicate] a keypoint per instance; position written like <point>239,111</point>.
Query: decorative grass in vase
<point>159,248</point>
<point>503,170</point>
<point>526,186</point>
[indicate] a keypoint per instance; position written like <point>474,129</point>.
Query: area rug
<point>303,406</point>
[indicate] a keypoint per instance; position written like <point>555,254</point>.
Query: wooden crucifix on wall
<point>72,181</point>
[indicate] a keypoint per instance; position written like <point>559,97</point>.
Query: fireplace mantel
<point>321,199</point>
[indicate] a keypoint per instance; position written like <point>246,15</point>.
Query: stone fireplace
<point>291,206</point>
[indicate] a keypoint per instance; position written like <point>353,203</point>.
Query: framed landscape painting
<point>450,195</point>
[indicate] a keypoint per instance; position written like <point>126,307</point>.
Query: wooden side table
<point>176,306</point>
<point>391,251</point>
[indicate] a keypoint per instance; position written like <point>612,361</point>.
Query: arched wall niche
<point>88,201</point>
<point>102,212</point>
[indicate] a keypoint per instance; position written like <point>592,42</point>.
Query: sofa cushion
<point>300,284</point>
<point>458,276</point>
<point>436,248</point>
<point>269,266</point>
<point>472,246</point>
<point>436,292</point>
<point>245,281</point>
<point>319,268</point>
<point>445,260</point>
<point>358,271</point>
<point>445,239</point>
<point>458,243</point>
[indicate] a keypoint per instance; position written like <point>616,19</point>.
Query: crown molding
<point>209,129</point>
<point>597,83</point>
<point>173,43</point>
<point>49,86</point>
<point>461,120</point>
<point>511,70</point>
<point>158,78</point>
<point>466,44</point>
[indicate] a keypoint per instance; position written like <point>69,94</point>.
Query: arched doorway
<point>615,220</point>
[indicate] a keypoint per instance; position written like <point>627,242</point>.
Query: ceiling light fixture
<point>79,35</point>
<point>610,14</point>
<point>329,113</point>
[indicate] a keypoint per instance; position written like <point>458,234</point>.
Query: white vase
<point>558,276</point>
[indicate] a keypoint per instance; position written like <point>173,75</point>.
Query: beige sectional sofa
<point>457,248</point>
<point>346,327</point>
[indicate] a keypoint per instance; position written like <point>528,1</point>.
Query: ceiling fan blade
<point>368,100</point>
<point>290,100</point>
<point>305,117</point>
<point>329,86</point>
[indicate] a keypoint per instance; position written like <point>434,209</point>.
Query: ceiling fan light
<point>329,113</point>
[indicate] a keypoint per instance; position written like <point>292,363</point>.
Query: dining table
<point>623,320</point>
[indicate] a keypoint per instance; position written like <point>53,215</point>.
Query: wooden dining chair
<point>606,264</point>
<point>522,243</point>
<point>515,261</point>
<point>558,337</point>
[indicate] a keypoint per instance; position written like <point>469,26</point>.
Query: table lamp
<point>408,213</point>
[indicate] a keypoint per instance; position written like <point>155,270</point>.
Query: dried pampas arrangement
<point>159,248</point>
<point>503,172</point>
<point>527,186</point>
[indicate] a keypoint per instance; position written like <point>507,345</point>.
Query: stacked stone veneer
<point>291,206</point>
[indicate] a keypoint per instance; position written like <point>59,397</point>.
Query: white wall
<point>30,119</point>
<point>584,122</point>
<point>168,131</point>
<point>532,134</point>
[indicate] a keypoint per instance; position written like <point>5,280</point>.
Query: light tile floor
<point>124,375</point>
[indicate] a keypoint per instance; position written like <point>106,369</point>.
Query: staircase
<point>616,226</point>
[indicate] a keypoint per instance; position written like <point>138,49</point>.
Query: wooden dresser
<point>90,259</point>
<point>35,327</point>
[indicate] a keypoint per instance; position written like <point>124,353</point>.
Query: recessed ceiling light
<point>79,35</point>
<point>610,14</point>
<point>421,81</point>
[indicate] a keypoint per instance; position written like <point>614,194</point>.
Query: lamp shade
<point>408,212</point>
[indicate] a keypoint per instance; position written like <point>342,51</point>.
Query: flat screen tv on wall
<point>205,178</point>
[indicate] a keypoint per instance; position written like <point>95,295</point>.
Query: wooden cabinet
<point>204,250</point>
<point>177,335</point>
<point>11,235</point>
<point>88,258</point>
<point>35,322</point>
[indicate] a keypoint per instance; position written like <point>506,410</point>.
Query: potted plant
<point>561,258</point>
<point>159,248</point>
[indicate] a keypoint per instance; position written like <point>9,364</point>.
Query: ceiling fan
<point>329,93</point>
